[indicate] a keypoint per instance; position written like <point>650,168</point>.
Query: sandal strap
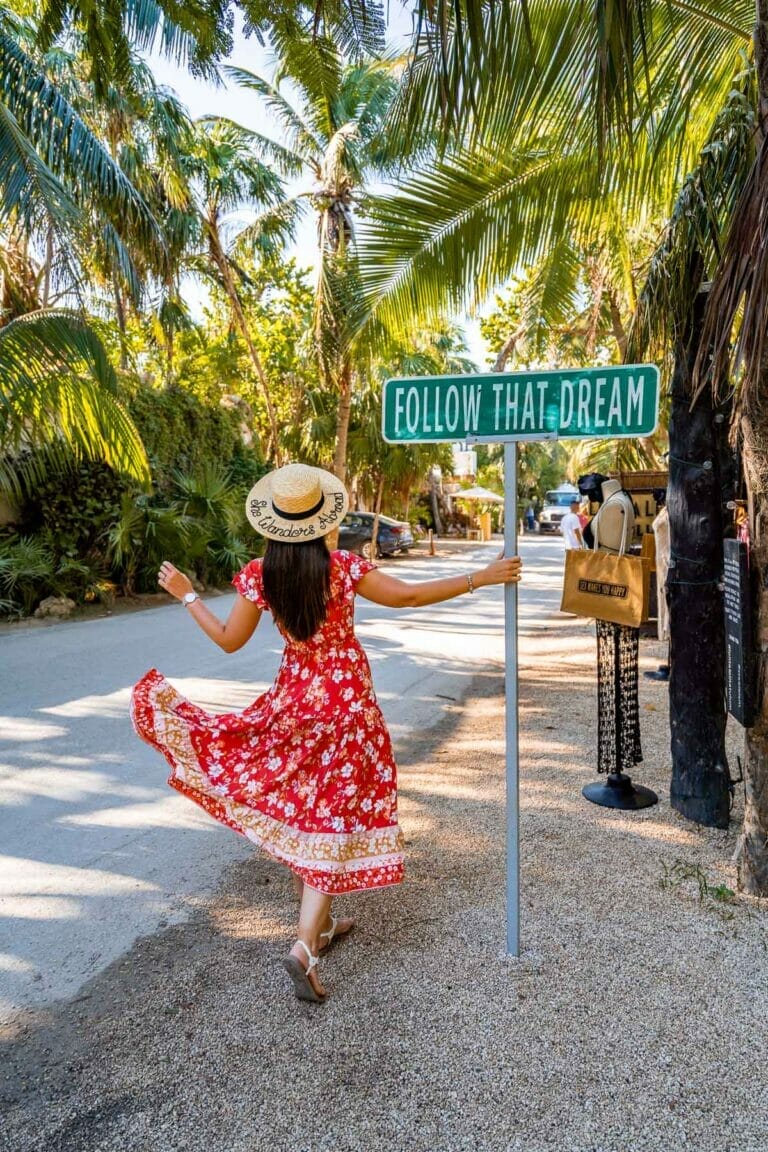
<point>312,961</point>
<point>332,930</point>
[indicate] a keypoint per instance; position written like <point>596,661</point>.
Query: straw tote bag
<point>603,585</point>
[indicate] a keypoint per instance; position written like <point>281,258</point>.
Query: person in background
<point>530,519</point>
<point>570,526</point>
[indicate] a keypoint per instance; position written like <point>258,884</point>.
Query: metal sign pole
<point>511,700</point>
<point>510,408</point>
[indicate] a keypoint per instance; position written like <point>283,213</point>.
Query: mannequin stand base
<point>618,791</point>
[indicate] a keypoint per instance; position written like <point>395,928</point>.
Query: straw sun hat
<point>296,503</point>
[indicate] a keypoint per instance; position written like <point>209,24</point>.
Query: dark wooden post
<point>700,775</point>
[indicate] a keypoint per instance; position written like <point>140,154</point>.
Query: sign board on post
<point>738,632</point>
<point>614,401</point>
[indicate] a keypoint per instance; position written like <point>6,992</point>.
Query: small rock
<point>58,606</point>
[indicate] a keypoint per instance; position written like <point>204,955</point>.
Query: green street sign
<point>615,401</point>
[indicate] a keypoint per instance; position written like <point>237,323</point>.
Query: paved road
<point>95,850</point>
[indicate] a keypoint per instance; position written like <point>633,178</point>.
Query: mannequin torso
<point>615,512</point>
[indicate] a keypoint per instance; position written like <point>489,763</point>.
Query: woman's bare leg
<point>313,916</point>
<point>342,926</point>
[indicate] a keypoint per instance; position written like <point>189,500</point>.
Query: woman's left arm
<point>393,593</point>
<point>230,635</point>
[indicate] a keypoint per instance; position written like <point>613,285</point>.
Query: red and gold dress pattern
<point>306,771</point>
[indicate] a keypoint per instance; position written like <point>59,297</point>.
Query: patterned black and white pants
<point>618,712</point>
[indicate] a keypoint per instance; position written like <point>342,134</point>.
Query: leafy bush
<point>30,571</point>
<point>27,569</point>
<point>86,529</point>
<point>71,510</point>
<point>181,433</point>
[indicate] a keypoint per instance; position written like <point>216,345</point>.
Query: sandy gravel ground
<point>636,1018</point>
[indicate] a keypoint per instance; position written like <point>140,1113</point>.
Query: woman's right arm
<point>231,635</point>
<point>393,593</point>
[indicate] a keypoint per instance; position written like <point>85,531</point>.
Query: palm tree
<point>523,158</point>
<point>335,138</point>
<point>57,388</point>
<point>655,73</point>
<point>199,34</point>
<point>229,180</point>
<point>146,132</point>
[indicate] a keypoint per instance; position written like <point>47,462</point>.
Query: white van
<point>556,504</point>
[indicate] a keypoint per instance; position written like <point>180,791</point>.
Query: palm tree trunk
<point>48,266</point>
<point>220,259</point>
<point>342,421</point>
<point>700,778</point>
<point>377,514</point>
<point>121,322</point>
<point>508,348</point>
<point>343,413</point>
<point>617,324</point>
<point>752,852</point>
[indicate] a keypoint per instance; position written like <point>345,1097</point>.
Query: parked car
<point>556,504</point>
<point>356,535</point>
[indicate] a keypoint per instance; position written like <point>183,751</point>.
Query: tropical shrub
<point>183,433</point>
<point>83,529</point>
<point>30,571</point>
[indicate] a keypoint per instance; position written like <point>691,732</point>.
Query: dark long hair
<point>297,585</point>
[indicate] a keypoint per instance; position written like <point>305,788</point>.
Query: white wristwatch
<point>189,598</point>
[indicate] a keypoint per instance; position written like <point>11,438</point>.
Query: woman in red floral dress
<point>306,771</point>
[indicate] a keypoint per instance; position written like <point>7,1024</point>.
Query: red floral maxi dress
<point>307,770</point>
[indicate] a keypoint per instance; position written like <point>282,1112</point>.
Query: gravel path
<point>636,1018</point>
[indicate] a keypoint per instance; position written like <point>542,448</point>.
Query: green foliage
<point>540,468</point>
<point>69,511</point>
<point>30,570</point>
<point>143,535</point>
<point>183,434</point>
<point>58,391</point>
<point>26,571</point>
<point>84,528</point>
<point>201,527</point>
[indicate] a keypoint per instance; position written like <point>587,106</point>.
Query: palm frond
<point>691,247</point>
<point>317,65</point>
<point>70,151</point>
<point>619,54</point>
<point>270,231</point>
<point>301,140</point>
<point>289,163</point>
<point>194,33</point>
<point>357,26</point>
<point>28,187</point>
<point>451,234</point>
<point>550,296</point>
<point>58,388</point>
<point>739,297</point>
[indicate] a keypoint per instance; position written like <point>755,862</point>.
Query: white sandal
<point>302,985</point>
<point>330,935</point>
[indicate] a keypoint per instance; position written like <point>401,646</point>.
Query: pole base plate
<point>618,791</point>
